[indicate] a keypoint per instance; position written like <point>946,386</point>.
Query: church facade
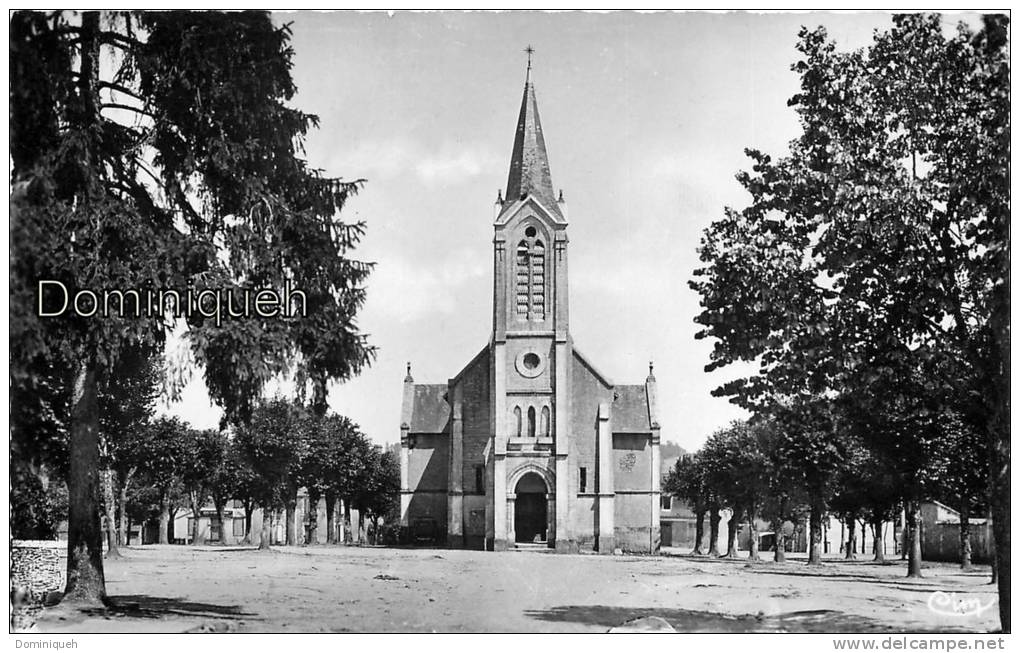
<point>529,445</point>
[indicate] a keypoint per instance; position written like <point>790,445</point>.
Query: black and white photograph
<point>505,322</point>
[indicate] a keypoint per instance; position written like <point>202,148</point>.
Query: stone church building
<point>529,445</point>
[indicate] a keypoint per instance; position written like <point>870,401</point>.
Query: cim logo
<point>952,605</point>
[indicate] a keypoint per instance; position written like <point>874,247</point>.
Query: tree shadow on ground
<point>695,621</point>
<point>925,583</point>
<point>928,588</point>
<point>139,606</point>
<point>829,570</point>
<point>820,573</point>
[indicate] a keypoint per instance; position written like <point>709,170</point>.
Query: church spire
<point>529,162</point>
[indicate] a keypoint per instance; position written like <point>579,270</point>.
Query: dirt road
<point>338,589</point>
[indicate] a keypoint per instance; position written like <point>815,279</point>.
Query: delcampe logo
<point>951,604</point>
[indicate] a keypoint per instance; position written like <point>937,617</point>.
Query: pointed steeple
<point>529,162</point>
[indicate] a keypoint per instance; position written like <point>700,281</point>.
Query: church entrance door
<point>530,509</point>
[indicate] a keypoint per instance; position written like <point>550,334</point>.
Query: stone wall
<point>38,566</point>
<point>632,531</point>
<point>941,542</point>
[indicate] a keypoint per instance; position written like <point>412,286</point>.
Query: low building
<point>940,535</point>
<point>678,526</point>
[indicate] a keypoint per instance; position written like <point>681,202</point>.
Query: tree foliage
<point>686,481</point>
<point>158,150</point>
<point>180,168</point>
<point>273,443</point>
<point>876,251</point>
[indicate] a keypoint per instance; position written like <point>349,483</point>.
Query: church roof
<point>630,409</point>
<point>529,162</point>
<point>430,412</point>
<point>591,367</point>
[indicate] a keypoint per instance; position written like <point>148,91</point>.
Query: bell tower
<point>530,344</point>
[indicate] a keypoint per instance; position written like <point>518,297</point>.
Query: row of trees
<point>759,470</point>
<point>160,150</point>
<point>262,465</point>
<point>152,467</point>
<point>868,278</point>
<point>286,447</point>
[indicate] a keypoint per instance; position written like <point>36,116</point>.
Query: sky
<point>645,116</point>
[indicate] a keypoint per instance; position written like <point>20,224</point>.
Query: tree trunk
<point>864,536</point>
<point>914,535</point>
<point>290,523</point>
<point>330,518</point>
<point>998,402</point>
<point>731,534</point>
<point>779,528</point>
<point>122,535</point>
<point>220,509</point>
<point>779,555</point>
<point>1000,521</point>
<point>110,518</point>
<point>249,509</point>
<point>266,529</point>
<point>965,551</point>
<point>347,522</point>
<point>879,541</point>
<point>172,529</point>
<point>313,517</point>
<point>699,532</point>
<point>851,538</point>
<point>752,528</point>
<point>86,584</point>
<point>164,520</point>
<point>196,512</point>
<point>713,532</point>
<point>361,527</point>
<point>815,521</point>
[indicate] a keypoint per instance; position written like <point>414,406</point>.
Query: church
<point>529,445</point>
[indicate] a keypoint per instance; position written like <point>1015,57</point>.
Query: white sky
<point>645,118</point>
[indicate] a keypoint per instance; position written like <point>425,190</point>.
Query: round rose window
<point>530,364</point>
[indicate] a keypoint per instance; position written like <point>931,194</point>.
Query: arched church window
<point>544,430</point>
<point>517,421</point>
<point>523,276</point>
<point>531,422</point>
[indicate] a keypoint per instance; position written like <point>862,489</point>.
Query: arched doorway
<point>530,509</point>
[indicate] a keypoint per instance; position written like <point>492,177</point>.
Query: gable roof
<point>430,412</point>
<point>630,410</point>
<point>587,363</point>
<point>479,357</point>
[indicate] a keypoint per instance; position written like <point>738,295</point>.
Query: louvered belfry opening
<point>530,279</point>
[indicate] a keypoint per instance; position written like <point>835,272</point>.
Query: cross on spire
<point>530,51</point>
